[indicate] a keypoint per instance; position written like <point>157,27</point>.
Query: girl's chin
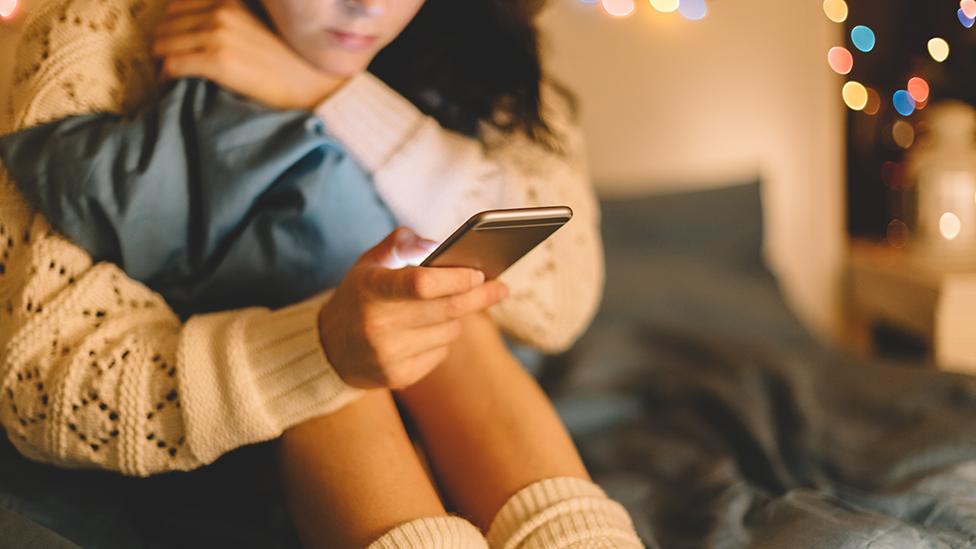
<point>343,64</point>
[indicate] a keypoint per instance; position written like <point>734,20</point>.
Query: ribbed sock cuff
<point>561,513</point>
<point>446,532</point>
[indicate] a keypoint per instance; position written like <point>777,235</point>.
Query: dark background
<point>903,29</point>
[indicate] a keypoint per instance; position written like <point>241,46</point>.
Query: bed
<point>697,399</point>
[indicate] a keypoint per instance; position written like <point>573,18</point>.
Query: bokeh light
<point>903,134</point>
<point>693,9</point>
<point>7,8</point>
<point>966,21</point>
<point>949,225</point>
<point>873,105</point>
<point>863,38</point>
<point>968,7</point>
<point>903,102</point>
<point>919,89</point>
<point>618,8</point>
<point>666,6</point>
<point>835,10</point>
<point>855,95</point>
<point>893,175</point>
<point>897,233</point>
<point>840,60</point>
<point>939,49</point>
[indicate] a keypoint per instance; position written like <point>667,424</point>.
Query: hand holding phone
<point>493,240</point>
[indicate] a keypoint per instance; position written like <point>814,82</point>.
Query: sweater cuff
<point>563,512</point>
<point>267,370</point>
<point>445,532</point>
<point>290,370</point>
<point>370,119</point>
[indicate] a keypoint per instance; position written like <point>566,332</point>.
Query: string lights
<point>8,8</point>
<point>693,10</point>
<point>841,60</point>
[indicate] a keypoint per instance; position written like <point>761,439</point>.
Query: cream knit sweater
<point>96,370</point>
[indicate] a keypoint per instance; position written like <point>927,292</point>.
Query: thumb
<point>400,248</point>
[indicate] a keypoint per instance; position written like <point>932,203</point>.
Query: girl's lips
<point>350,40</point>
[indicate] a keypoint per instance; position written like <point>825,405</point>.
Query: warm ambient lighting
<point>939,49</point>
<point>7,8</point>
<point>836,10</point>
<point>968,7</point>
<point>855,96</point>
<point>903,134</point>
<point>919,89</point>
<point>840,60</point>
<point>618,8</point>
<point>666,6</point>
<point>949,225</point>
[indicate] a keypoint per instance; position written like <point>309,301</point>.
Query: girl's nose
<point>367,8</point>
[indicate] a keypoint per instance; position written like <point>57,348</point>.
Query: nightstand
<point>933,302</point>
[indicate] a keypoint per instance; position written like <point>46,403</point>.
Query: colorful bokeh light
<point>666,6</point>
<point>903,103</point>
<point>835,10</point>
<point>919,89</point>
<point>938,49</point>
<point>968,7</point>
<point>966,21</point>
<point>840,60</point>
<point>863,38</point>
<point>903,134</point>
<point>618,8</point>
<point>7,8</point>
<point>873,105</point>
<point>693,9</point>
<point>950,225</point>
<point>855,96</point>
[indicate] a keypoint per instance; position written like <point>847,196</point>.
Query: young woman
<point>97,371</point>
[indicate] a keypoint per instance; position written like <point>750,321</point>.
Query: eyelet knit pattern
<point>97,371</point>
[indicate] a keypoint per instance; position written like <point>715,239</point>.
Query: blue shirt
<point>210,199</point>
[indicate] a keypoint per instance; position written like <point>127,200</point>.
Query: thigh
<point>352,475</point>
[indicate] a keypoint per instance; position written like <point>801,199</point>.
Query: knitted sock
<point>562,513</point>
<point>445,532</point>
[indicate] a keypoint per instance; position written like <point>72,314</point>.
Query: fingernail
<point>477,278</point>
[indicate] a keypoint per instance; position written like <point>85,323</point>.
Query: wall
<point>669,102</point>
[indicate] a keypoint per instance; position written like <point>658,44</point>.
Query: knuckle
<point>423,284</point>
<point>455,307</point>
<point>223,14</point>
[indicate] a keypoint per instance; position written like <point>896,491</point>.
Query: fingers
<point>416,341</point>
<point>457,306</point>
<point>426,282</point>
<point>177,44</point>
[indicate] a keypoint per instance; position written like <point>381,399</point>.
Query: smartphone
<point>493,240</point>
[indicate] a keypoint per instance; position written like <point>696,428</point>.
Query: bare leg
<point>487,426</point>
<point>351,476</point>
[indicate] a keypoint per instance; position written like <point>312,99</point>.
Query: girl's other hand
<point>389,327</point>
<point>221,40</point>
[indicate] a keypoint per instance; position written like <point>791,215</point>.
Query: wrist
<point>319,87</point>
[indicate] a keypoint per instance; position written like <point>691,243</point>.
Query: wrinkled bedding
<point>697,399</point>
<point>705,406</point>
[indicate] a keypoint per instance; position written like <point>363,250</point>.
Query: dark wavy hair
<point>467,62</point>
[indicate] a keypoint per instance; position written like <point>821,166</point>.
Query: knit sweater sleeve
<point>433,179</point>
<point>95,369</point>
